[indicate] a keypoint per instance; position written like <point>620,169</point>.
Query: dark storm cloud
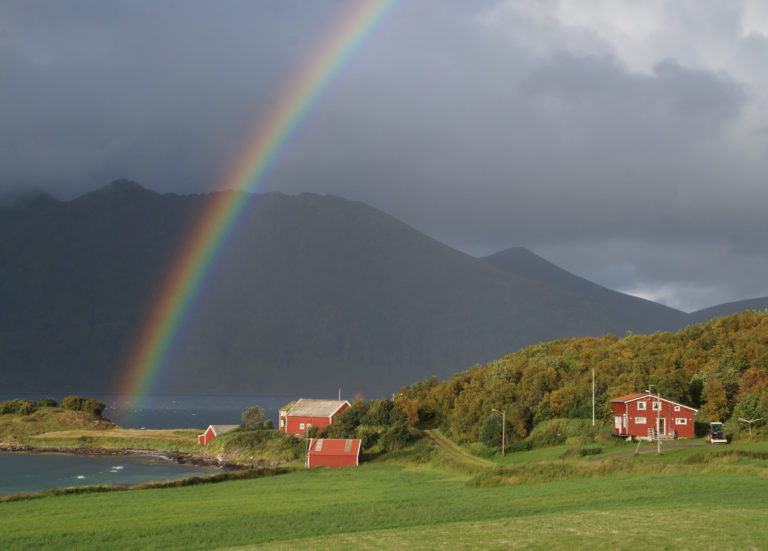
<point>486,125</point>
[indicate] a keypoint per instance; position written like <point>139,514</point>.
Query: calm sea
<point>173,412</point>
<point>35,472</point>
<point>22,472</point>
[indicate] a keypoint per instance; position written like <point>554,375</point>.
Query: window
<point>657,406</point>
<point>641,406</point>
<point>681,420</point>
<point>640,420</point>
<point>677,408</point>
<point>301,426</point>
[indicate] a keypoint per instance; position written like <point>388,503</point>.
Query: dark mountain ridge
<point>311,293</point>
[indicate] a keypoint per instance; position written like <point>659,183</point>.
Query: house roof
<point>630,397</point>
<point>315,408</point>
<point>221,429</point>
<point>638,395</point>
<point>334,446</point>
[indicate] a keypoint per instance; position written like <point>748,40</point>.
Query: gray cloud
<point>636,162</point>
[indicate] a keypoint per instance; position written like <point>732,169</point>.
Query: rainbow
<point>194,262</point>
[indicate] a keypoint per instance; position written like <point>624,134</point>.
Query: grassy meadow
<point>693,498</point>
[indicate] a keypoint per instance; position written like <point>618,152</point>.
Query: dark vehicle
<point>716,434</point>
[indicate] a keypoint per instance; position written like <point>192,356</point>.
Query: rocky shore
<point>179,457</point>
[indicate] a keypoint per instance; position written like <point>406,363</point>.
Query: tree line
<point>719,367</point>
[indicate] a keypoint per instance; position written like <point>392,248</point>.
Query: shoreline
<point>183,458</point>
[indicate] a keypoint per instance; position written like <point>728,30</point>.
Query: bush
<point>46,403</point>
<point>17,406</point>
<point>368,438</point>
<point>72,403</point>
<point>75,403</point>
<point>94,406</point>
<point>395,437</point>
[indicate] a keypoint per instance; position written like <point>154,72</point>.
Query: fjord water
<point>26,472</point>
<point>21,472</point>
<point>176,412</point>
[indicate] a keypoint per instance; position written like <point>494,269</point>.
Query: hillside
<point>719,367</point>
<point>643,315</point>
<point>311,294</point>
<point>700,316</point>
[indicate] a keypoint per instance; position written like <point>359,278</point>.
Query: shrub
<point>94,406</point>
<point>395,437</point>
<point>73,403</point>
<point>46,403</point>
<point>18,406</point>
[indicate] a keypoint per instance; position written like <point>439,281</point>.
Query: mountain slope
<point>700,316</point>
<point>311,293</point>
<point>644,315</point>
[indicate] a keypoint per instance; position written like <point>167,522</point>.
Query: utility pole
<point>658,410</point>
<point>503,428</point>
<point>593,402</point>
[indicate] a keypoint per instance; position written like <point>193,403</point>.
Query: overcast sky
<point>626,141</point>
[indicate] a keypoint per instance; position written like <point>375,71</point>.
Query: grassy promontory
<point>51,428</point>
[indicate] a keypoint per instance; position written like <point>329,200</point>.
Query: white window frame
<point>301,426</point>
<point>641,406</point>
<point>657,406</point>
<point>681,420</point>
<point>677,408</point>
<point>640,421</point>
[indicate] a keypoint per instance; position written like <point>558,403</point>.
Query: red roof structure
<point>646,416</point>
<point>333,452</point>
<point>213,431</point>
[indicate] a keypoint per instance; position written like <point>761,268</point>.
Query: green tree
<point>253,417</point>
<point>490,431</point>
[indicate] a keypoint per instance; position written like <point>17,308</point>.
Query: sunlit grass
<point>390,506</point>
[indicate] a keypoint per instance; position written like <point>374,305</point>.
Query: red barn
<point>333,452</point>
<point>213,431</point>
<point>644,415</point>
<point>310,413</point>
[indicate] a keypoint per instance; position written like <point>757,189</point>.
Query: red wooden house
<point>298,417</point>
<point>333,452</point>
<point>644,415</point>
<point>213,431</point>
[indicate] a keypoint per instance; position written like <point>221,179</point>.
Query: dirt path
<point>455,452</point>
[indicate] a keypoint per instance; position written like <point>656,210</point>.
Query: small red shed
<point>308,413</point>
<point>644,415</point>
<point>213,431</point>
<point>333,452</point>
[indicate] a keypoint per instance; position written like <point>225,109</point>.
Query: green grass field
<point>393,507</point>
